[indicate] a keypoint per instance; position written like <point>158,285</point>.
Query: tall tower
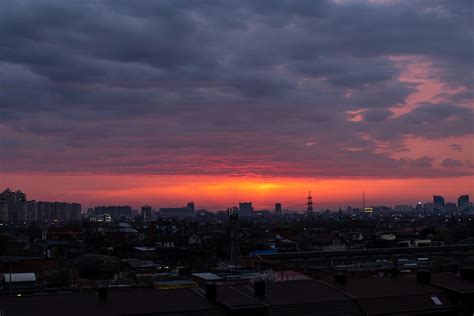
<point>235,260</point>
<point>278,209</point>
<point>363,201</point>
<point>310,203</point>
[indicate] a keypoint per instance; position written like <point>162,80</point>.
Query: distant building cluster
<point>438,206</point>
<point>147,213</point>
<point>441,206</point>
<point>15,208</point>
<point>178,212</point>
<point>109,213</point>
<point>123,212</point>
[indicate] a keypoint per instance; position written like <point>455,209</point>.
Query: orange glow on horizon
<point>219,192</point>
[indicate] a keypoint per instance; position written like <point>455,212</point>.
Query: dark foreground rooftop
<point>120,302</point>
<point>398,296</point>
<point>443,294</point>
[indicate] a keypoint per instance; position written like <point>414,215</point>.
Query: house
<point>311,241</point>
<point>19,280</point>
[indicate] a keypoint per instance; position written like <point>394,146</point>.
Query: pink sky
<point>219,192</point>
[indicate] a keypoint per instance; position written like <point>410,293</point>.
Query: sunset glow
<point>218,193</point>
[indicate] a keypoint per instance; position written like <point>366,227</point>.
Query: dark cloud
<point>452,163</point>
<point>456,147</point>
<point>430,121</point>
<point>239,87</point>
<point>423,162</point>
<point>376,115</point>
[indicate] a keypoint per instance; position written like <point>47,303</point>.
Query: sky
<point>163,102</point>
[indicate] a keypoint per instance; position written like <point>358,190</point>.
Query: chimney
<point>211,292</point>
<point>259,288</point>
<point>102,293</point>
<point>467,273</point>
<point>394,272</point>
<point>423,276</point>
<point>340,278</point>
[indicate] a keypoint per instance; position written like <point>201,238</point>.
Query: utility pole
<point>11,268</point>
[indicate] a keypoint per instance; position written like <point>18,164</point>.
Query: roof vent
<point>340,278</point>
<point>211,292</point>
<point>102,293</point>
<point>394,272</point>
<point>259,288</point>
<point>423,276</point>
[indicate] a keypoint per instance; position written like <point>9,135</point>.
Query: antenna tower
<point>363,201</point>
<point>235,259</point>
<point>310,203</point>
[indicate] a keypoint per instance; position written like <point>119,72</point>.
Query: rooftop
<point>121,301</point>
<point>452,282</point>
<point>401,295</point>
<point>19,277</point>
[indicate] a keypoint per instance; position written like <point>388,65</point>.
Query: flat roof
<point>401,295</point>
<point>452,282</point>
<point>234,298</point>
<point>145,248</point>
<point>311,296</point>
<point>207,276</point>
<point>121,301</point>
<point>19,277</point>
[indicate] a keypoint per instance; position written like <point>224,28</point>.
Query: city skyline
<point>266,200</point>
<point>162,101</point>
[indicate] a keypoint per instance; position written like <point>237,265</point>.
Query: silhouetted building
<point>463,203</point>
<point>278,209</point>
<point>33,212</point>
<point>403,208</point>
<point>178,212</point>
<point>147,213</point>
<point>450,207</point>
<point>3,213</point>
<point>17,208</point>
<point>439,204</point>
<point>14,207</point>
<point>59,212</point>
<point>419,207</point>
<point>76,212</point>
<point>115,212</point>
<point>245,209</point>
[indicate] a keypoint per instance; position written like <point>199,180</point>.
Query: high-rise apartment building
<point>147,213</point>
<point>278,209</point>
<point>439,204</point>
<point>245,209</point>
<point>463,203</point>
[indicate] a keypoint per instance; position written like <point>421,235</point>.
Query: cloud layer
<point>281,88</point>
